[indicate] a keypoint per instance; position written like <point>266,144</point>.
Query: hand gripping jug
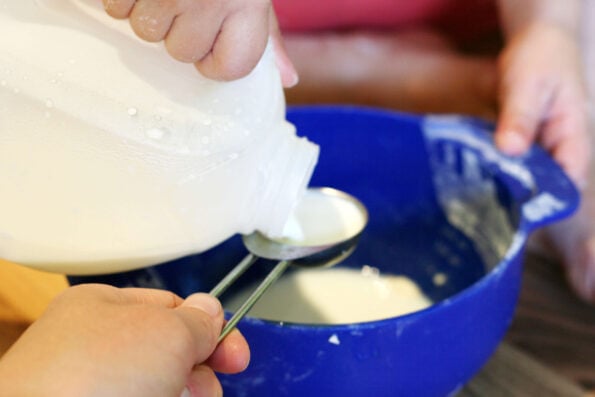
<point>114,156</point>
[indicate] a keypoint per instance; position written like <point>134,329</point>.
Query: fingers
<point>524,104</point>
<point>118,8</point>
<point>203,316</point>
<point>232,355</point>
<point>289,75</point>
<point>565,136</point>
<point>192,36</point>
<point>151,21</point>
<point>543,100</point>
<point>544,112</point>
<point>224,40</point>
<point>239,44</point>
<point>202,382</point>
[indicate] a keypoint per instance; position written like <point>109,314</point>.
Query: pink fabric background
<point>460,18</point>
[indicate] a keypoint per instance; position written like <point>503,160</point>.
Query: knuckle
<point>233,72</point>
<point>183,52</point>
<point>147,28</point>
<point>195,332</point>
<point>117,8</point>
<point>232,68</point>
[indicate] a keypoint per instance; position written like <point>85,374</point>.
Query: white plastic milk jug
<point>114,156</point>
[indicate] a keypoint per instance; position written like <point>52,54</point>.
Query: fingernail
<point>204,302</point>
<point>512,142</point>
<point>186,393</point>
<point>290,79</point>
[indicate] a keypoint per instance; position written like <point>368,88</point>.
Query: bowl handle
<point>540,186</point>
<point>555,196</point>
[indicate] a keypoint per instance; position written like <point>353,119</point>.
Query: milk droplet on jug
<point>125,126</point>
<point>155,133</point>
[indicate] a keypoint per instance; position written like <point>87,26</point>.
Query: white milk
<point>335,296</point>
<point>114,156</point>
<point>321,219</point>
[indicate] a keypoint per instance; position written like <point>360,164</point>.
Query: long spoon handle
<point>252,299</point>
<point>233,275</point>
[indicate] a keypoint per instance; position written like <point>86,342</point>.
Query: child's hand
<point>224,39</point>
<point>542,97</point>
<point>96,340</point>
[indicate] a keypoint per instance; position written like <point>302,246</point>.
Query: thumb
<point>524,107</point>
<point>289,76</point>
<point>203,316</point>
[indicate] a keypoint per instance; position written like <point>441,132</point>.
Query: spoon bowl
<point>308,256</point>
<point>312,254</point>
<point>345,218</point>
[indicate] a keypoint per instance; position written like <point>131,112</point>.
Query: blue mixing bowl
<point>442,200</point>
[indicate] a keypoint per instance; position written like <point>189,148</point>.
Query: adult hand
<point>97,340</point>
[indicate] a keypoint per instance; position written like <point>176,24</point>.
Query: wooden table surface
<point>549,350</point>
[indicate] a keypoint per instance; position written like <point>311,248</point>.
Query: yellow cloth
<point>24,295</point>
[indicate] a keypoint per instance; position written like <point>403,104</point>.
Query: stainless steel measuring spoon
<point>288,252</point>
